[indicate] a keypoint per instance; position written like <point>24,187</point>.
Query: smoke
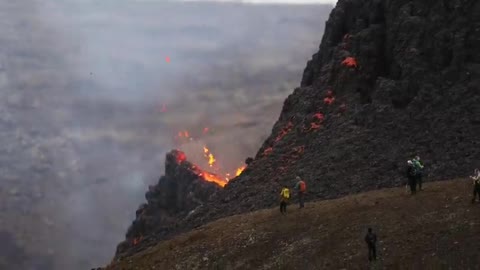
<point>83,84</point>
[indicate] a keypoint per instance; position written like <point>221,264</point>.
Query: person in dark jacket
<point>411,176</point>
<point>476,184</point>
<point>417,164</point>
<point>371,240</point>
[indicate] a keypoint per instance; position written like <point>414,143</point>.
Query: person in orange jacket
<point>301,188</point>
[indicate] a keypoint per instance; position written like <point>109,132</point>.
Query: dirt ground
<point>436,229</point>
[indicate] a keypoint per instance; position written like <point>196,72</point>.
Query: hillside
<point>437,229</point>
<point>392,79</point>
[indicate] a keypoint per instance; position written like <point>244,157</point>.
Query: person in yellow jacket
<point>284,197</point>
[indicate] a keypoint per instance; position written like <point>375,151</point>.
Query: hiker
<point>284,197</point>
<point>417,164</point>
<point>476,184</point>
<point>371,240</point>
<point>411,177</point>
<point>301,188</point>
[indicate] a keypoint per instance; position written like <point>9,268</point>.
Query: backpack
<point>286,193</point>
<point>303,187</point>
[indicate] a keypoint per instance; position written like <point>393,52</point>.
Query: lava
<point>181,157</point>
<point>215,173</point>
<point>240,170</point>
<point>211,159</point>
<point>284,131</point>
<point>350,62</point>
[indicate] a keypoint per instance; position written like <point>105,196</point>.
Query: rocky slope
<point>437,229</point>
<point>176,196</point>
<point>391,79</point>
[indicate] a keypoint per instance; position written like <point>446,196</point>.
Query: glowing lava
<point>350,62</point>
<point>216,174</point>
<point>211,159</point>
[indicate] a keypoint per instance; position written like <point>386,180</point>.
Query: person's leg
<point>300,198</point>
<point>419,181</point>
<point>474,194</point>
<point>411,183</point>
<point>374,251</point>
<point>281,207</point>
<point>370,253</point>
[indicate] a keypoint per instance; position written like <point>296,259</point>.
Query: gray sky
<point>276,1</point>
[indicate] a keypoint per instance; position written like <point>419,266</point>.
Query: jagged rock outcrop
<point>391,79</point>
<point>176,196</point>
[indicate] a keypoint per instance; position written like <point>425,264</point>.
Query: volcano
<point>392,79</point>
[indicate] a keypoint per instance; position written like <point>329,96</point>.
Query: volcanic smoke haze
<point>89,106</point>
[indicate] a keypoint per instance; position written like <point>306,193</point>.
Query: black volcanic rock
<point>176,195</point>
<point>414,90</point>
<point>392,79</point>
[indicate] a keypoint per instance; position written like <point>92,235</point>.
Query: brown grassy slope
<point>436,229</point>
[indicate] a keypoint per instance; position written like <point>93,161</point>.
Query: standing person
<point>411,176</point>
<point>284,197</point>
<point>301,188</point>
<point>371,240</point>
<point>476,184</point>
<point>418,171</point>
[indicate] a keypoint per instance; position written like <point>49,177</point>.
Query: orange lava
<point>210,177</point>
<point>240,170</point>
<point>350,62</point>
<point>284,131</point>
<point>216,174</point>
<point>319,116</point>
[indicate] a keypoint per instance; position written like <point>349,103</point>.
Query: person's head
<point>476,171</point>
<point>369,230</point>
<point>298,178</point>
<point>417,158</point>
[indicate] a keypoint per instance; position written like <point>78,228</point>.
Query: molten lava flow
<point>216,175</point>
<point>284,131</point>
<point>211,159</point>
<point>329,98</point>
<point>239,170</point>
<point>181,157</point>
<point>210,177</point>
<point>350,62</point>
<point>319,116</point>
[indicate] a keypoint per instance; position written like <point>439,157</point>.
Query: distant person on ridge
<point>411,176</point>
<point>417,164</point>
<point>476,185</point>
<point>284,197</point>
<point>301,188</point>
<point>371,240</point>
